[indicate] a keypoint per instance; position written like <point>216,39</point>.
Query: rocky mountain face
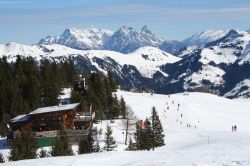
<point>82,39</point>
<point>172,47</point>
<point>215,61</point>
<point>221,67</point>
<point>127,40</point>
<point>124,40</point>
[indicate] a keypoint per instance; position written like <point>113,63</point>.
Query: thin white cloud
<point>10,2</point>
<point>110,10</point>
<point>218,10</point>
<point>131,13</point>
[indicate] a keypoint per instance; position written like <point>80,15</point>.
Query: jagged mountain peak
<point>124,40</point>
<point>125,29</point>
<point>127,39</point>
<point>146,30</point>
<point>82,39</point>
<point>233,33</point>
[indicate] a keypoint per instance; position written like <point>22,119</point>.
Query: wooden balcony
<point>84,117</point>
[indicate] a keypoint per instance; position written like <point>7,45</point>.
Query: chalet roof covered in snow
<point>54,108</point>
<point>20,118</point>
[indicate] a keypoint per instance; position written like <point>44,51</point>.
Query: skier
<point>235,128</point>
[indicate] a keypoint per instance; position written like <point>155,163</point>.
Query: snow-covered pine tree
<point>110,143</point>
<point>158,133</point>
<point>1,158</point>
<point>131,145</point>
<point>43,153</point>
<point>97,146</point>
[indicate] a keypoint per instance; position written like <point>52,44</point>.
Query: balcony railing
<point>86,117</point>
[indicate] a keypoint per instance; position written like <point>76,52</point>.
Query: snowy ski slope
<point>209,140</point>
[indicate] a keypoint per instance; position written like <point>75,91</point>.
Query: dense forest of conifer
<point>27,84</point>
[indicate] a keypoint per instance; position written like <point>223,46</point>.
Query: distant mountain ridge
<point>126,39</point>
<point>82,39</point>
<point>218,64</point>
<point>201,39</point>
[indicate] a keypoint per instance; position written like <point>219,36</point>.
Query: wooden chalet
<point>46,123</point>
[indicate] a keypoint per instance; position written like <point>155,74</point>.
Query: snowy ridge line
<point>146,59</point>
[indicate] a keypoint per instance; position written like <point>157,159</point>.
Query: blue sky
<point>27,21</point>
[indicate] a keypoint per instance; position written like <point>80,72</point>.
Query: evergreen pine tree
<point>143,136</point>
<point>109,109</point>
<point>138,136</point>
<point>51,84</point>
<point>158,133</point>
<point>61,146</point>
<point>24,146</point>
<point>1,158</point>
<point>111,81</point>
<point>116,111</point>
<point>148,135</point>
<point>123,108</point>
<point>110,143</point>
<point>83,146</point>
<point>146,142</point>
<point>86,145</point>
<point>16,149</point>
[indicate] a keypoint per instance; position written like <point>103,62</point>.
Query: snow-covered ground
<point>209,140</point>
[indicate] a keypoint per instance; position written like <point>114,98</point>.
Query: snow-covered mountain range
<point>124,40</point>
<point>213,61</point>
<point>83,39</point>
